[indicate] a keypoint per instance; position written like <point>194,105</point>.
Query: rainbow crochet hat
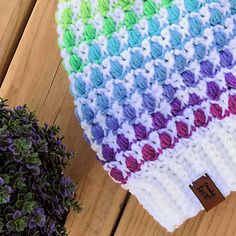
<point>154,84</point>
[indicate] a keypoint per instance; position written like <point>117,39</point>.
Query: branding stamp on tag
<point>207,192</point>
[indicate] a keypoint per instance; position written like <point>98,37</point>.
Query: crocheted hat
<point>154,84</point>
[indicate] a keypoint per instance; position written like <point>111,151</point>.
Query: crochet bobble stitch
<point>147,74</point>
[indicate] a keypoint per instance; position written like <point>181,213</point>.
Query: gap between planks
<point>35,77</point>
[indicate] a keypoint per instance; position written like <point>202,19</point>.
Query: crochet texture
<point>154,88</point>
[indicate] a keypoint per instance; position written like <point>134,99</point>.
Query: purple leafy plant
<point>35,196</point>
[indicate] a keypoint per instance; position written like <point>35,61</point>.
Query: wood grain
<point>13,18</point>
<point>36,77</point>
<point>219,221</point>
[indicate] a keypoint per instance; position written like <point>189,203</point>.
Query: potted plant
<point>35,196</point>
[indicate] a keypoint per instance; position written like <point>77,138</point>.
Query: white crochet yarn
<point>163,187</point>
<point>154,84</point>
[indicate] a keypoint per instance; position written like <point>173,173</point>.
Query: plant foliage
<point>35,196</point>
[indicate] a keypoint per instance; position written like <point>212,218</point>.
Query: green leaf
<point>8,217</point>
<point>10,225</point>
<point>28,196</point>
<point>22,144</point>
<point>19,204</point>
<point>33,159</point>
<point>19,184</point>
<point>5,178</point>
<point>20,224</point>
<point>28,206</point>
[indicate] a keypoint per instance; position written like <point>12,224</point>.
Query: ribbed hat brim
<point>162,186</point>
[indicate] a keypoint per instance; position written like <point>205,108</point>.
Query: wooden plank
<point>219,221</point>
<point>13,18</point>
<point>36,77</point>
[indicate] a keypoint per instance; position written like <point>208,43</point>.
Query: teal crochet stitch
<point>154,84</point>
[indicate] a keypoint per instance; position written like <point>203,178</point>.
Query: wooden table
<point>31,70</point>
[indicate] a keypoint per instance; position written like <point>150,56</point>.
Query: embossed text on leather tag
<point>207,192</point>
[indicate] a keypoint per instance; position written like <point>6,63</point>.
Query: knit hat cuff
<point>162,186</point>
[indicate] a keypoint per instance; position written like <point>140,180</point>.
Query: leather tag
<point>207,192</point>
